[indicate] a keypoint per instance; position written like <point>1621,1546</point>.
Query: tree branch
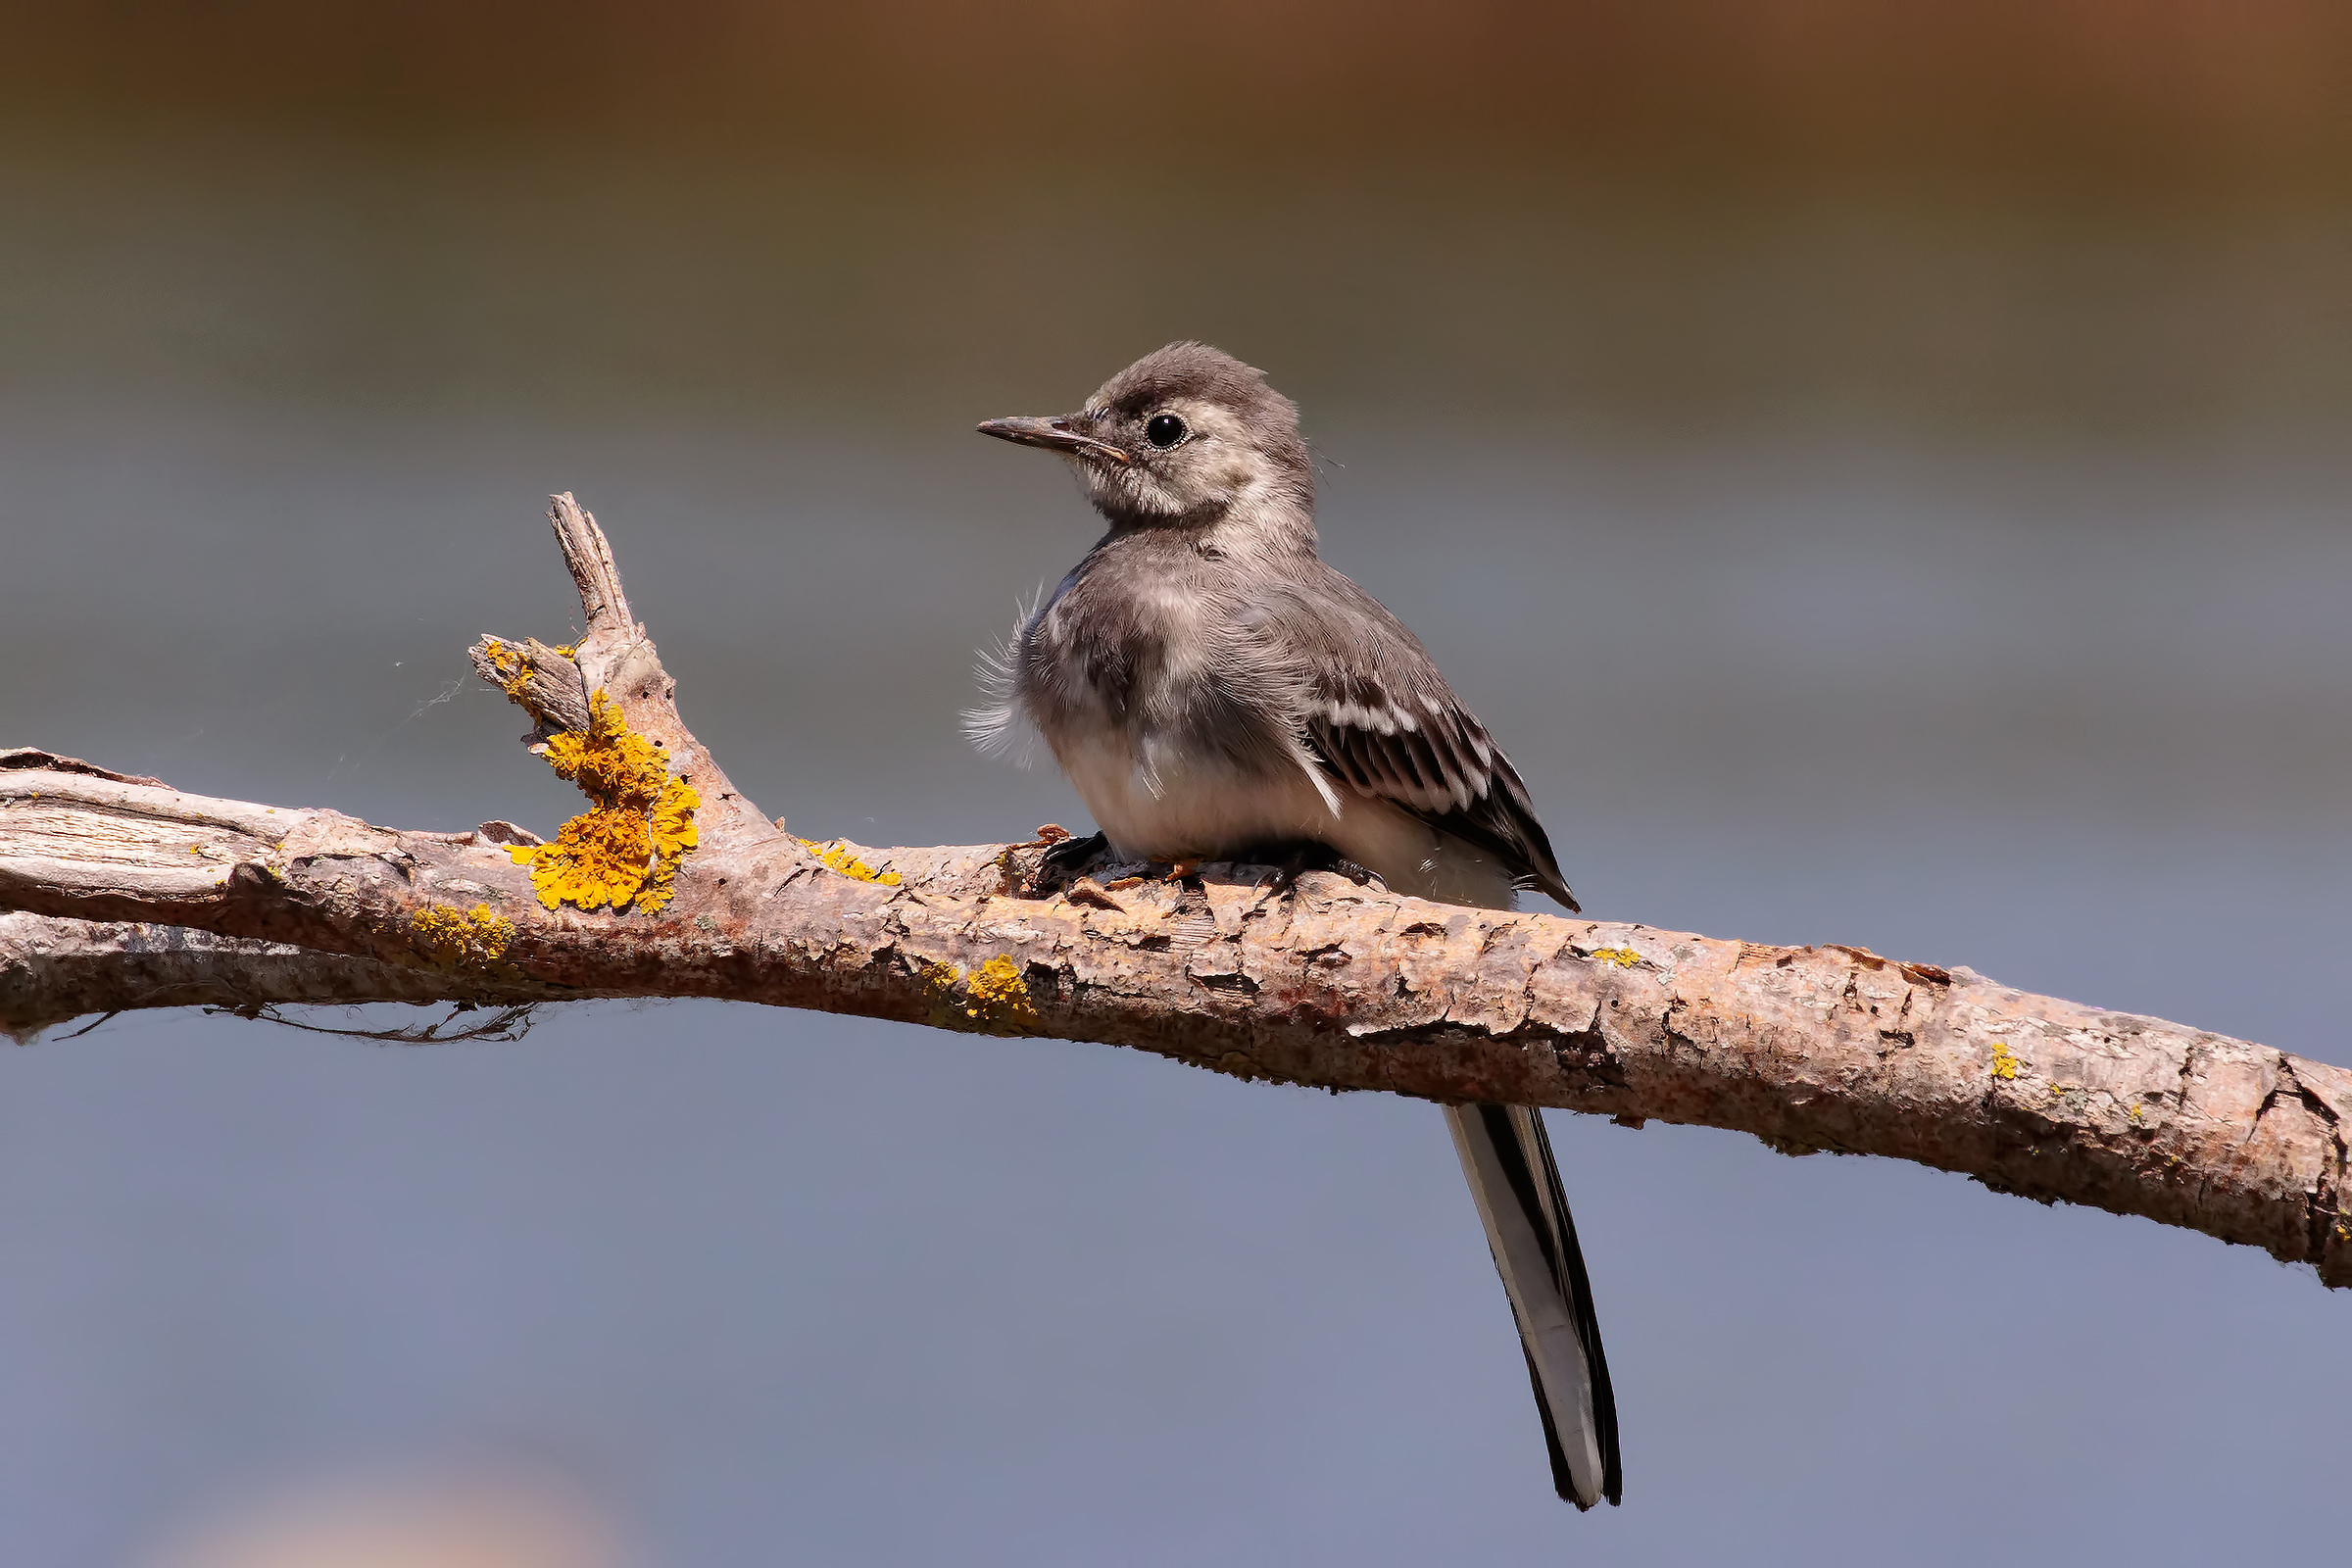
<point>129,893</point>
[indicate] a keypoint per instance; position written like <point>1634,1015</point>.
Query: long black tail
<point>1507,1157</point>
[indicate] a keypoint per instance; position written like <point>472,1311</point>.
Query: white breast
<point>1161,809</point>
<point>1156,804</point>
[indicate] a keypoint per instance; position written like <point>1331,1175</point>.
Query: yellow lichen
<point>939,981</point>
<point>673,834</point>
<point>2004,1065</point>
<point>837,856</point>
<point>999,994</point>
<point>599,858</point>
<point>514,672</point>
<point>473,939</point>
<point>625,852</point>
<point>612,763</point>
<point>1621,958</point>
<point>993,1000</point>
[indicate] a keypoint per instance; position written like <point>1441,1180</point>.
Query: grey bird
<point>1216,692</point>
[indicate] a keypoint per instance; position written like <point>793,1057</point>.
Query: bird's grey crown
<point>1194,372</point>
<point>1243,469</point>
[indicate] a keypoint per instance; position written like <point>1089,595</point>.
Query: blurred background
<point>1881,468</point>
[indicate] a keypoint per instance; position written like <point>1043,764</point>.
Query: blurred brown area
<point>2075,216</point>
<point>2254,93</point>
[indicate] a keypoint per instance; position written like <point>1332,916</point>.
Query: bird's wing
<point>1381,717</point>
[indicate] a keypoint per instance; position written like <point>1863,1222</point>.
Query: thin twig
<point>510,1023</point>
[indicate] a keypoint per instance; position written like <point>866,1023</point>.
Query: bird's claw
<point>1068,856</point>
<point>1315,857</point>
<point>1065,860</point>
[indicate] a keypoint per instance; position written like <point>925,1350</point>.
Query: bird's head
<point>1187,437</point>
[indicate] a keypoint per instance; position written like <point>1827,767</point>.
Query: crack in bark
<point>2328,1226</point>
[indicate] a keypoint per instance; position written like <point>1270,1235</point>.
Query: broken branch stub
<point>128,893</point>
<point>604,715</point>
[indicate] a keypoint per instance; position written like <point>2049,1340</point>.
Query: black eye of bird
<point>1164,430</point>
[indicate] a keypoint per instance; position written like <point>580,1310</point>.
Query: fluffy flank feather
<point>1001,727</point>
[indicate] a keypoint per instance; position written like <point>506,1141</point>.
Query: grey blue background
<point>1944,557</point>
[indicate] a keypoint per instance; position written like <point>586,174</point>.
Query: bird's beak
<point>1055,435</point>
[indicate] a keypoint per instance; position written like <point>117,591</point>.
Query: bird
<point>1215,691</point>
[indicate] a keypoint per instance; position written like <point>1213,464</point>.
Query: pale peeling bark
<point>129,893</point>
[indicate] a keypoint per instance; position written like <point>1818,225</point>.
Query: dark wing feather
<point>1381,717</point>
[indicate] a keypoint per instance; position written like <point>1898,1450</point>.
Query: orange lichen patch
<point>599,858</point>
<point>625,851</point>
<point>1621,958</point>
<point>837,856</point>
<point>612,763</point>
<point>473,939</point>
<point>993,1000</point>
<point>673,834</point>
<point>999,997</point>
<point>514,672</point>
<point>2004,1065</point>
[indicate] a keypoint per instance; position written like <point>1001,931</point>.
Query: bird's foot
<point>1070,856</point>
<point>1065,858</point>
<point>1163,872</point>
<point>1311,856</point>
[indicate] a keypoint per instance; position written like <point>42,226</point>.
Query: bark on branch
<point>123,893</point>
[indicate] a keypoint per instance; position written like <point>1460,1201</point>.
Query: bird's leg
<point>1177,871</point>
<point>1067,857</point>
<point>1297,859</point>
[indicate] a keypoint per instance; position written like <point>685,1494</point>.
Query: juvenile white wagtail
<point>1217,693</point>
